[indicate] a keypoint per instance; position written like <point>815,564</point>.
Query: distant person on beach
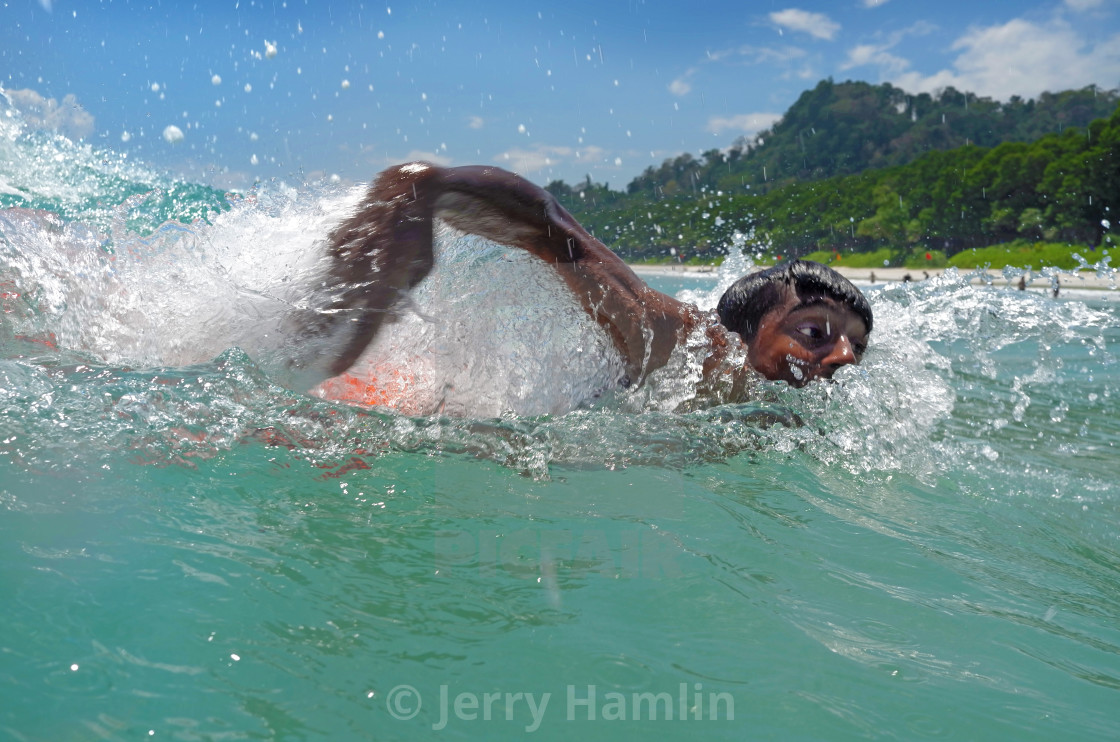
<point>795,322</point>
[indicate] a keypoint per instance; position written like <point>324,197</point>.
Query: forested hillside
<point>856,168</point>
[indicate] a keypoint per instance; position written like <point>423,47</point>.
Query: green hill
<point>846,128</point>
<point>858,168</point>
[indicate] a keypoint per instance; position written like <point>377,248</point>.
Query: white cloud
<point>782,56</point>
<point>874,3</point>
<point>541,156</point>
<point>475,122</point>
<point>817,25</point>
<point>1017,58</point>
<point>806,73</point>
<point>743,55</point>
<point>681,86</point>
<point>860,55</point>
<point>590,155</point>
<point>748,54</point>
<point>746,124</point>
<point>543,159</point>
<point>67,118</point>
<point>879,54</point>
<point>875,55</point>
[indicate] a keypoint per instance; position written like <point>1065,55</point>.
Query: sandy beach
<point>1072,280</point>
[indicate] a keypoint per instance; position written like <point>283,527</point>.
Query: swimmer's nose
<point>839,355</point>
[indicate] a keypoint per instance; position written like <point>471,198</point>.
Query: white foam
<point>184,294</point>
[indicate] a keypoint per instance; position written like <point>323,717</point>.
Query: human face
<point>801,340</point>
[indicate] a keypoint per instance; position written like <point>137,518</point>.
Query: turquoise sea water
<point>190,551</point>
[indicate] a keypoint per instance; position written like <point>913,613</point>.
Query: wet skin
<point>802,340</point>
<point>390,236</point>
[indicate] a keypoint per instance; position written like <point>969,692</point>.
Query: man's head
<point>801,321</point>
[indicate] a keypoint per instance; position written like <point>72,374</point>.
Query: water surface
<point>188,550</point>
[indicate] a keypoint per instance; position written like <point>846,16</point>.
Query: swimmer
<point>796,322</point>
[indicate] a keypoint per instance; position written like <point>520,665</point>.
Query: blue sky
<point>304,89</point>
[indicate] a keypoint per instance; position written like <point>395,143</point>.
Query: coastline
<point>878,276</point>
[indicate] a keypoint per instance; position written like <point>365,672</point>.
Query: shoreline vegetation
<point>867,176</point>
<point>1034,280</point>
<point>1076,265</point>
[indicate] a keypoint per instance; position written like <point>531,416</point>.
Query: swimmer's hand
<point>377,255</point>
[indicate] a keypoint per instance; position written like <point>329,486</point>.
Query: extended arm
<point>644,324</point>
<point>386,247</point>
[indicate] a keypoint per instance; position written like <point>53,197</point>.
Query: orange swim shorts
<point>380,386</point>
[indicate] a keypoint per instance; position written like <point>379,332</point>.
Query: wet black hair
<point>742,307</point>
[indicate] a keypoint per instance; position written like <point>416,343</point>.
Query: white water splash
<point>182,295</point>
<point>492,331</point>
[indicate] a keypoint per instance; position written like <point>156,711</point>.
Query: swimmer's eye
<point>811,331</point>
